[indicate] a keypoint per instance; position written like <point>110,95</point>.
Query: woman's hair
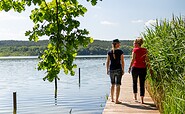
<point>114,42</point>
<point>113,49</point>
<point>139,41</point>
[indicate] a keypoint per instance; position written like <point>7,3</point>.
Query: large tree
<point>57,20</point>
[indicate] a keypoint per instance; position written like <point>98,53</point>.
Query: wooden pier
<point>129,105</point>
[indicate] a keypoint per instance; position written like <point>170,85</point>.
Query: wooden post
<point>55,87</point>
<point>14,103</point>
<point>79,76</point>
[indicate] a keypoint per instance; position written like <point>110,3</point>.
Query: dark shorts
<point>115,76</point>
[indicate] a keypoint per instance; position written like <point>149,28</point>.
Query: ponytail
<point>113,50</point>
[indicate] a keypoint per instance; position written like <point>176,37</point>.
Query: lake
<point>35,96</point>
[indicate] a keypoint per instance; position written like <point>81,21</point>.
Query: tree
<point>57,20</point>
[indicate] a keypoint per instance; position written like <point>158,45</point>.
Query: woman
<point>138,67</point>
<point>115,68</point>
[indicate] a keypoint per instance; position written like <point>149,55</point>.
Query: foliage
<point>57,20</point>
<point>28,48</point>
<point>99,47</point>
<point>22,48</point>
<point>166,45</point>
<point>19,5</point>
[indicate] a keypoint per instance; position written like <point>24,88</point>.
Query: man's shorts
<point>115,76</point>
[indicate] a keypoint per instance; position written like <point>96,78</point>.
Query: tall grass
<point>165,42</point>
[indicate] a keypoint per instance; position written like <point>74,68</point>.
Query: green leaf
<point>50,46</point>
<point>27,33</point>
<point>91,40</point>
<point>84,9</point>
<point>56,20</point>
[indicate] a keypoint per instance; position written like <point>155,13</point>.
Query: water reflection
<point>55,100</point>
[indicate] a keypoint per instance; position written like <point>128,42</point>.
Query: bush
<point>165,42</point>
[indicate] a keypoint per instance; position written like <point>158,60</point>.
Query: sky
<point>108,20</point>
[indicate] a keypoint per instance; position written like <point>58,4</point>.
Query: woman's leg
<point>112,78</point>
<point>112,92</point>
<point>134,79</point>
<point>142,77</point>
<point>118,78</point>
<point>117,93</point>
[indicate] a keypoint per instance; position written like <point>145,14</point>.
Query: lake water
<point>35,96</point>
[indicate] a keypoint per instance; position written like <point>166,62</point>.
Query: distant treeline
<point>30,48</point>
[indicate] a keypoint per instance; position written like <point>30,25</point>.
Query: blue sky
<point>109,19</point>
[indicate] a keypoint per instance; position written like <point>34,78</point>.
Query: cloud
<point>108,23</point>
<point>5,16</point>
<point>5,34</point>
<point>150,23</point>
<point>137,21</point>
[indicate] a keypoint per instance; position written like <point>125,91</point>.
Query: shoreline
<point>36,57</point>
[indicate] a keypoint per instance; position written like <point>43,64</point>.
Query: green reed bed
<point>165,42</point>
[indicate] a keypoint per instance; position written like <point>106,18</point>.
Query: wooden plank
<point>129,105</point>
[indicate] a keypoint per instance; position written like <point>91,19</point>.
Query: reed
<point>165,42</point>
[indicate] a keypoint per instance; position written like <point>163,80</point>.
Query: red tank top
<point>139,61</point>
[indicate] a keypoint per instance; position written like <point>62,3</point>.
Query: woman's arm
<point>132,61</point>
<point>107,63</point>
<point>122,63</point>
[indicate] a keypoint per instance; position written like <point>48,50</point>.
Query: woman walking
<point>115,68</point>
<point>138,67</point>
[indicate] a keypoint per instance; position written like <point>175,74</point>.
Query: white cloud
<point>5,16</point>
<point>16,35</point>
<point>108,23</point>
<point>7,34</point>
<point>137,21</point>
<point>150,22</point>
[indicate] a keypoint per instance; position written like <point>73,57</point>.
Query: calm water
<point>35,96</point>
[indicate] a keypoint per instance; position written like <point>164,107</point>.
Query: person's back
<point>140,57</point>
<point>115,62</point>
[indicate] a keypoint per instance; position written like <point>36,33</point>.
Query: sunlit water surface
<point>35,96</point>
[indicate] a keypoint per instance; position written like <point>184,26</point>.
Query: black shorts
<point>115,76</point>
